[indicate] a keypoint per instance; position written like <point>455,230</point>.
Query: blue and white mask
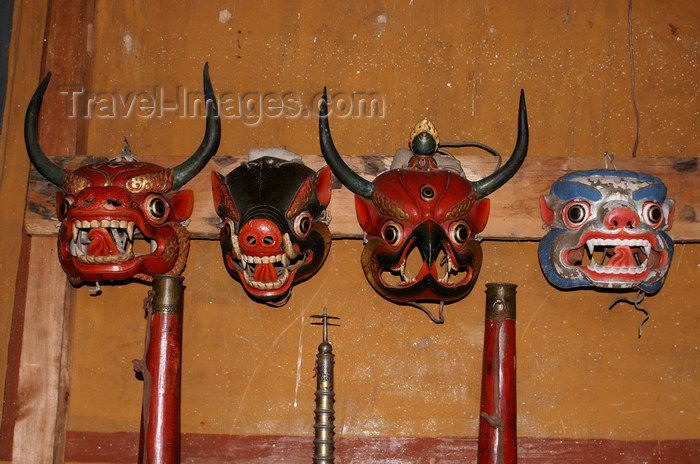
<point>607,229</point>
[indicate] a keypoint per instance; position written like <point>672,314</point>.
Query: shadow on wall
<point>5,35</point>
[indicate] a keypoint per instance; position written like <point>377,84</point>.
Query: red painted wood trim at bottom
<point>258,449</point>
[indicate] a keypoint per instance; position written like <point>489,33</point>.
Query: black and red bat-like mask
<point>121,219</point>
<point>275,231</point>
<point>425,207</point>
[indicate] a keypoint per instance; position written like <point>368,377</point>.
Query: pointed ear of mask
<point>479,215</point>
<point>364,214</point>
<point>181,205</point>
<point>60,195</point>
<point>671,210</point>
<point>322,184</point>
<point>223,203</point>
<point>546,212</point>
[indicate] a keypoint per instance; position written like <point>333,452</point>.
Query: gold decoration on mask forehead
<point>425,126</point>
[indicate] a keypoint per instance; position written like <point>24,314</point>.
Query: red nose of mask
<point>260,236</point>
<point>621,218</point>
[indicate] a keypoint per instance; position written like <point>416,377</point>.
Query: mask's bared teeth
<point>285,260</point>
<point>106,259</point>
<point>130,230</point>
<point>94,224</point>
<point>85,224</point>
<point>236,247</point>
<point>281,280</point>
<point>590,246</point>
<point>402,272</point>
<point>284,276</point>
<point>76,230</point>
<point>288,247</point>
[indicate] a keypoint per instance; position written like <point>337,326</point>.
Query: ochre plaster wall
<point>248,368</point>
<point>460,63</point>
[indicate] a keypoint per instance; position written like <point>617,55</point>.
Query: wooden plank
<point>24,61</point>
<point>209,448</point>
<point>514,208</point>
<point>44,370</point>
<point>44,373</point>
<point>68,56</point>
<point>14,351</point>
<point>64,368</point>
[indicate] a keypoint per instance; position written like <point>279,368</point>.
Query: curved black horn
<point>342,171</point>
<point>493,182</point>
<point>182,173</point>
<point>41,162</point>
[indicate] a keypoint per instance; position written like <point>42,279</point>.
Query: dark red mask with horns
<point>107,210</point>
<point>425,208</point>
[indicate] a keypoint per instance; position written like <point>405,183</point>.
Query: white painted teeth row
<point>281,280</point>
<point>266,259</point>
<point>107,259</point>
<point>289,253</point>
<point>618,242</point>
<point>595,267</point>
<point>94,224</point>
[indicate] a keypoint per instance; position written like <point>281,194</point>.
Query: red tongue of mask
<point>101,244</point>
<point>623,257</point>
<point>265,273</point>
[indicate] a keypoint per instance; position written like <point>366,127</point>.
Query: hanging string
<point>637,305</point>
<point>470,144</point>
<point>609,157</point>
<point>438,320</point>
<point>634,101</point>
<point>96,290</point>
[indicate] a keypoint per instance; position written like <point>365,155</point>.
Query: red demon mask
<point>121,219</point>
<point>426,207</point>
<point>275,231</point>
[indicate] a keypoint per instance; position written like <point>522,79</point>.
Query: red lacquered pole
<point>498,422</point>
<point>160,415</point>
